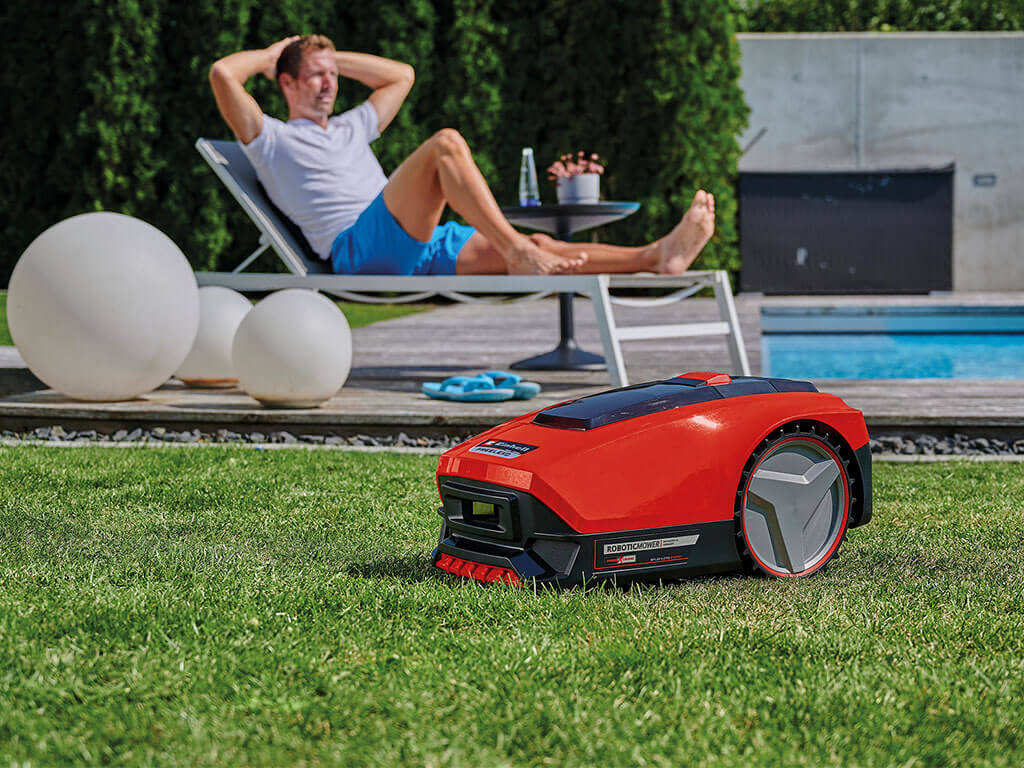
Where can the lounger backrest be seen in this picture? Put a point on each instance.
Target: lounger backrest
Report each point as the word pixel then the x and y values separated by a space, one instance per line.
pixel 236 172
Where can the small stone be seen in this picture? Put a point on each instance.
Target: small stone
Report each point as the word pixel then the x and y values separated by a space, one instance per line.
pixel 283 437
pixel 135 434
pixel 333 440
pixel 257 437
pixel 315 439
pixel 89 434
pixel 42 433
pixel 58 432
pixel 189 437
pixel 159 433
pixel 121 434
pixel 1018 446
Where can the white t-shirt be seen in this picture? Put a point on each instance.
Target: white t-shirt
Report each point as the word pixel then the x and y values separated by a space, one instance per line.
pixel 322 179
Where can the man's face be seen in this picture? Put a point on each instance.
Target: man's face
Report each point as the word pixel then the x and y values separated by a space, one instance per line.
pixel 312 94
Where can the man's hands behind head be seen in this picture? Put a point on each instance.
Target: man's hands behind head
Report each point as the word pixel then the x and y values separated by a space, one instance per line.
pixel 274 53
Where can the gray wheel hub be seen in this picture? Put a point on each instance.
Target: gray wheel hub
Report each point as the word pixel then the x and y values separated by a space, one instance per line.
pixel 795 506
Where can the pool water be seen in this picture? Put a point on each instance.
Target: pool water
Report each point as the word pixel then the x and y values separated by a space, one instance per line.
pixel 893 342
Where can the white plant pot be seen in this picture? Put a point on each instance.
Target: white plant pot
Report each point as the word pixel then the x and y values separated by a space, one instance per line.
pixel 584 188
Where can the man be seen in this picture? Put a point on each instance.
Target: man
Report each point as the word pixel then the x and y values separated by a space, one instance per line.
pixel 319 170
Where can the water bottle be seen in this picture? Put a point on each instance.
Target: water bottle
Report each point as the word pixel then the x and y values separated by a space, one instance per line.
pixel 529 191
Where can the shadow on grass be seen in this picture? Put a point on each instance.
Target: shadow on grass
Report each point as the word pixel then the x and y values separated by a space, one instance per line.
pixel 414 568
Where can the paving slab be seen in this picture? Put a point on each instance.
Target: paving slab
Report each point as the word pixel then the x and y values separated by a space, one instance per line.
pixel 392 358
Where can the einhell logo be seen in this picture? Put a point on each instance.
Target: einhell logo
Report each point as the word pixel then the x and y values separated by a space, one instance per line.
pixel 648 544
pixel 505 449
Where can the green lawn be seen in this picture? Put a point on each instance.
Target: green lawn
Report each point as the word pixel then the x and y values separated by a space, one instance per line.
pixel 5 331
pixel 357 314
pixel 227 606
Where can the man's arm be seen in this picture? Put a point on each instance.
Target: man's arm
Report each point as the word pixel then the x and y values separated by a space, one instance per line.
pixel 227 78
pixel 391 81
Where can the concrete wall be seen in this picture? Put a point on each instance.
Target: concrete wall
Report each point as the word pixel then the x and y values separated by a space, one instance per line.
pixel 843 101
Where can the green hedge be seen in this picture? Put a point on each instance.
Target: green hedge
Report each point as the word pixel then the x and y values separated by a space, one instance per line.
pixel 880 15
pixel 104 99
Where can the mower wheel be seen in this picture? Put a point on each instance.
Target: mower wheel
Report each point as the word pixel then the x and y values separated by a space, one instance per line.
pixel 793 501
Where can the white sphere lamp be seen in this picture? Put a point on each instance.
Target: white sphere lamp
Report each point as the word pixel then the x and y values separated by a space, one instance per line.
pixel 221 311
pixel 293 349
pixel 103 306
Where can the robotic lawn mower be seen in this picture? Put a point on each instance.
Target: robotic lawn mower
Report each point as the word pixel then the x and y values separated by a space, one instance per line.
pixel 697 474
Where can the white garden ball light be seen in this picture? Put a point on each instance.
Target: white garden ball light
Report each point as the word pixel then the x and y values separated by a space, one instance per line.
pixel 221 311
pixel 103 307
pixel 293 349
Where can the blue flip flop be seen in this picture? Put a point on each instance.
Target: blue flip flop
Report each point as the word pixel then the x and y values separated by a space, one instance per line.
pixel 524 390
pixel 468 389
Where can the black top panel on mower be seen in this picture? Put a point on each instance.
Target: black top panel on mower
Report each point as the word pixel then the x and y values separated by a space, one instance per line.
pixel 653 397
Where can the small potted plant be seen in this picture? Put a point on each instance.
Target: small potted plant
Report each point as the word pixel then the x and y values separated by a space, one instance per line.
pixel 577 178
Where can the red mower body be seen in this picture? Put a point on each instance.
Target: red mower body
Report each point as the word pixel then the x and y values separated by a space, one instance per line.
pixel 658 480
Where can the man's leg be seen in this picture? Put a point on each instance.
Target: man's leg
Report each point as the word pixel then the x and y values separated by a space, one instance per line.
pixel 442 171
pixel 479 257
pixel 671 254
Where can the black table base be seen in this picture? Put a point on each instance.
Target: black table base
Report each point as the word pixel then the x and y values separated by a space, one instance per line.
pixel 567 356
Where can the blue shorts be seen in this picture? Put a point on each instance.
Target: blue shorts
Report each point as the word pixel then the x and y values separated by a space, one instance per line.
pixel 377 245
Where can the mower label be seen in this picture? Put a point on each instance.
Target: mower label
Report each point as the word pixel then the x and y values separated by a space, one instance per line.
pixel 505 449
pixel 632 552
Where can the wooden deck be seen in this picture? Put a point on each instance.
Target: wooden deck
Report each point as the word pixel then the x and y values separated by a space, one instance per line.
pixel 392 358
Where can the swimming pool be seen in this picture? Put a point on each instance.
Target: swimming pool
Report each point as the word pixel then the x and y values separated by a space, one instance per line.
pixel 938 342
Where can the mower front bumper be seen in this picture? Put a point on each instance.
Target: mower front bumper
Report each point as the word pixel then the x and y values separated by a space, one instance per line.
pixel 494 533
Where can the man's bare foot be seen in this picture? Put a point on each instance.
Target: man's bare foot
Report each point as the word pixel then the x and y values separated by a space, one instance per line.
pixel 680 247
pixel 528 258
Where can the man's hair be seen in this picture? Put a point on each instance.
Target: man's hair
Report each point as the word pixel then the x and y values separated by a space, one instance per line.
pixel 291 57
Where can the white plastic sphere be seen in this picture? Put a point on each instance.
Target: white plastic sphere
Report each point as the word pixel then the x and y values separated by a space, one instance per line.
pixel 293 349
pixel 103 307
pixel 221 311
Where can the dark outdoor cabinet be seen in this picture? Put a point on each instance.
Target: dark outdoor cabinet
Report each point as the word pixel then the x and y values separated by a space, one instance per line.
pixel 879 231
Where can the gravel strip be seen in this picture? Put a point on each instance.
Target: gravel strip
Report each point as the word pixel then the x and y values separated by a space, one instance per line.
pixel 957 445
pixel 885 446
pixel 57 435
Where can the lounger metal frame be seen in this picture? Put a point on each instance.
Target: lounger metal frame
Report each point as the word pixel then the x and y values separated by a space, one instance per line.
pixel 307 271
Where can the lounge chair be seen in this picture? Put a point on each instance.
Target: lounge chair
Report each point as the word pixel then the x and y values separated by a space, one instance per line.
pixel 308 271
